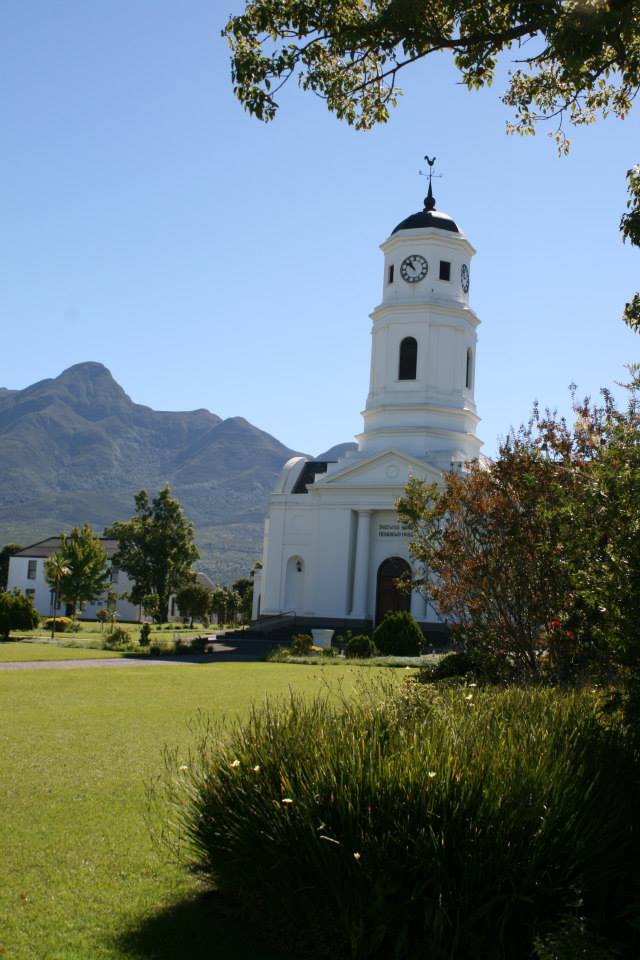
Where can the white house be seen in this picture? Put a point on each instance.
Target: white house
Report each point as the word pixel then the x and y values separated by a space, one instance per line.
pixel 26 573
pixel 333 546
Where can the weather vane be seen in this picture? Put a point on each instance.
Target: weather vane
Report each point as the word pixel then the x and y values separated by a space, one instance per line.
pixel 429 202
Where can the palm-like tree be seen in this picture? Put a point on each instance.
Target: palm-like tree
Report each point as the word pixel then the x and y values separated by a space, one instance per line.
pixel 55 570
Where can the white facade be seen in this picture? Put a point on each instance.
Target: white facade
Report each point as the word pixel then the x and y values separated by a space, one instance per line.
pixel 26 573
pixel 333 543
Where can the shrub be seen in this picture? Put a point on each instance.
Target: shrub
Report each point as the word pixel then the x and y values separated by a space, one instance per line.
pixel 301 643
pixel 451 665
pixel 59 624
pixel 145 634
pixel 199 644
pixel 360 646
pixel 571 940
pixel 17 612
pixel 465 821
pixel 399 635
pixel 330 652
pixel 118 638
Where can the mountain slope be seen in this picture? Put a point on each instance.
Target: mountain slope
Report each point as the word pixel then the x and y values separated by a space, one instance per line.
pixel 77 448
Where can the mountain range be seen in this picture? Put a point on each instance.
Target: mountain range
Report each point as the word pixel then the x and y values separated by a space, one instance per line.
pixel 76 448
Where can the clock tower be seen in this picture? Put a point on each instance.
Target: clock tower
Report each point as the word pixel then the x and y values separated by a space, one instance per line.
pixel 334 549
pixel 421 386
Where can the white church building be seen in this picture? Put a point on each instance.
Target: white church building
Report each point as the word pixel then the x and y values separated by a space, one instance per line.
pixel 333 545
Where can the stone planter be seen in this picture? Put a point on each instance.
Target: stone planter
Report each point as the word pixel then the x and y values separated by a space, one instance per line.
pixel 322 638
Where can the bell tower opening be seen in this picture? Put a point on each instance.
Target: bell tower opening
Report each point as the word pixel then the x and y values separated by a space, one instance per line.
pixel 408 359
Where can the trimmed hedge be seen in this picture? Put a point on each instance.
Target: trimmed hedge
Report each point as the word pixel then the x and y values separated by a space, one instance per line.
pixel 399 635
pixel 360 646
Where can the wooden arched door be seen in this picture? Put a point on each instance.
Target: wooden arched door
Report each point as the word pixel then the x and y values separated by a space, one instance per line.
pixel 388 595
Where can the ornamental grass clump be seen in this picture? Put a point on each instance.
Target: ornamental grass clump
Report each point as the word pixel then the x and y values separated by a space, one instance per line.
pixel 413 822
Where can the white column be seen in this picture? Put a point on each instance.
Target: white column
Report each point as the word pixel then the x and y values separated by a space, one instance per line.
pixel 418 606
pixel 418 602
pixel 361 574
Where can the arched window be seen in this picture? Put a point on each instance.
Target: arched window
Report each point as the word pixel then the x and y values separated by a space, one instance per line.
pixel 408 359
pixel 469 369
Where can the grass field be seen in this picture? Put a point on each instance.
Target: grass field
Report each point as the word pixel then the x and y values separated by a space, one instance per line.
pixel 81 878
pixel 13 651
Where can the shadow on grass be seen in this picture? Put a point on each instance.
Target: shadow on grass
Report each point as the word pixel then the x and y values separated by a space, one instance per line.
pixel 199 929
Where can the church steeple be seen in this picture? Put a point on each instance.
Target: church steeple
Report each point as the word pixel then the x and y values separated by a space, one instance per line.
pixel 421 392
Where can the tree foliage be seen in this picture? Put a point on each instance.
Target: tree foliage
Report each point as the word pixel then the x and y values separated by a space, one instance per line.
pixel 78 572
pixel 17 612
pixel 156 549
pixel 244 588
pixel 225 604
pixel 8 551
pixel 578 61
pixel 194 601
pixel 535 557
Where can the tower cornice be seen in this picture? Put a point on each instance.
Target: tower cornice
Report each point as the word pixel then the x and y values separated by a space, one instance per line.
pixel 408 238
pixel 453 309
pixel 466 412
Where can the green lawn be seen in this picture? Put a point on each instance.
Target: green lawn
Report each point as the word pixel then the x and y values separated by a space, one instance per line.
pixel 81 878
pixel 12 651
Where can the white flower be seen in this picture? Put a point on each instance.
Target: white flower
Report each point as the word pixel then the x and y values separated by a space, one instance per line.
pixel 469 696
pixel 256 769
pixel 287 800
pixel 183 767
pixel 235 763
pixel 356 856
pixel 431 774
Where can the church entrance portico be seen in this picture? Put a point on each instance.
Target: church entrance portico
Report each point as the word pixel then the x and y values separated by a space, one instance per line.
pixel 390 595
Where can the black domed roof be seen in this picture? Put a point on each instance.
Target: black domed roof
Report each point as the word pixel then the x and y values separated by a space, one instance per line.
pixel 429 217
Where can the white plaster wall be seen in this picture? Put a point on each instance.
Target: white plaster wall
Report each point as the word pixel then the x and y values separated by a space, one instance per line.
pixel 18 579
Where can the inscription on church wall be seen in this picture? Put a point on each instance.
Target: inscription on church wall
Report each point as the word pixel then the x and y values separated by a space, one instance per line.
pixel 394 531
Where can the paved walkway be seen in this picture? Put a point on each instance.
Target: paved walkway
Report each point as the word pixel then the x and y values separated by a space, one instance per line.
pixel 222 653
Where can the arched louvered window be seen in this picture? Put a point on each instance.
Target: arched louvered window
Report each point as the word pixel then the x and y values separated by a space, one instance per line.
pixel 469 369
pixel 408 359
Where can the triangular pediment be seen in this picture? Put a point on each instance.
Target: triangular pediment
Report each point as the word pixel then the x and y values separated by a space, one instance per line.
pixel 390 468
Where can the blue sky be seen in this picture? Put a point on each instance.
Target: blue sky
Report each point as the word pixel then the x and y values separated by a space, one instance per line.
pixel 213 261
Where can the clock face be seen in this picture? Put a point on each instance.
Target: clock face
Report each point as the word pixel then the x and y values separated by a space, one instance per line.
pixel 414 268
pixel 464 276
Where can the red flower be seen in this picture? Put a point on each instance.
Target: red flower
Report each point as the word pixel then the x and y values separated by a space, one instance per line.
pixel 570 634
pixel 555 624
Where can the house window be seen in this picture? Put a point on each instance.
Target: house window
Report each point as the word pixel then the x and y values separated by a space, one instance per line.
pixel 30 593
pixel 408 359
pixel 31 569
pixel 115 573
pixel 391 273
pixel 445 270
pixel 469 369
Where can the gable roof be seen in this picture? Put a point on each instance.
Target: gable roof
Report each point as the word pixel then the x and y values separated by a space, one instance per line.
pixel 355 468
pixel 46 548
